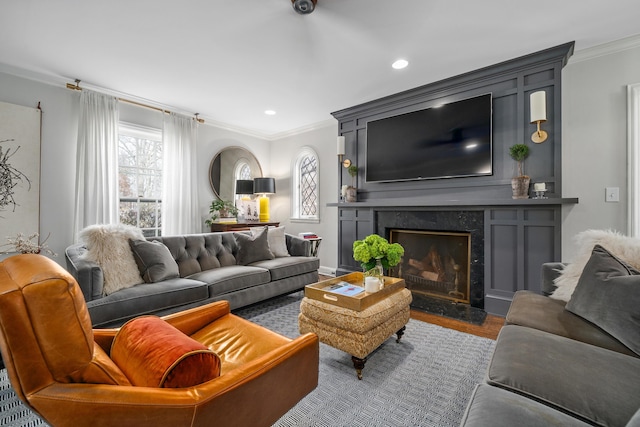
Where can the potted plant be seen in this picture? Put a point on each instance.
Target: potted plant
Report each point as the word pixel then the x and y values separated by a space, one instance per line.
pixel 351 192
pixel 520 183
pixel 221 209
pixel 376 253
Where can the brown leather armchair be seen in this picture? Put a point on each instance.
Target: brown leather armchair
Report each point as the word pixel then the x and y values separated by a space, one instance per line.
pixel 61 368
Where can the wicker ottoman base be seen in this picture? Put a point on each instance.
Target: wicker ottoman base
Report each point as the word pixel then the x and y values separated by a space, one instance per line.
pixel 357 333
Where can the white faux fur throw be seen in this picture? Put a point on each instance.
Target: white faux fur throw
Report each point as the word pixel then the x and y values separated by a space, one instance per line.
pixel 624 247
pixel 108 245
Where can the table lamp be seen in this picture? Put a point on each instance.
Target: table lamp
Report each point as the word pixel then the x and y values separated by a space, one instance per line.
pixel 263 187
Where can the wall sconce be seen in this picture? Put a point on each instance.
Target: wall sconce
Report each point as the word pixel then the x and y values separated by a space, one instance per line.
pixel 538 107
pixel 341 149
pixel 264 186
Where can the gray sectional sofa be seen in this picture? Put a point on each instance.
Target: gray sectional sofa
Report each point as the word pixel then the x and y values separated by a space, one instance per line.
pixel 206 268
pixel 553 367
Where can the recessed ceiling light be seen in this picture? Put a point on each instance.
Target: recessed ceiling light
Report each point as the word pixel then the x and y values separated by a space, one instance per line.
pixel 400 64
pixel 270 112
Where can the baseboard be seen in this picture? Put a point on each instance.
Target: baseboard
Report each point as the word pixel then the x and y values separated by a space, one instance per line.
pixel 327 271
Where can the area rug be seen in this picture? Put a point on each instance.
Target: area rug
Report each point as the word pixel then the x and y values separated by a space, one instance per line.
pixel 424 380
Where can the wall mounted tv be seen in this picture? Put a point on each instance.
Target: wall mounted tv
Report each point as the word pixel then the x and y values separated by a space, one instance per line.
pixel 448 141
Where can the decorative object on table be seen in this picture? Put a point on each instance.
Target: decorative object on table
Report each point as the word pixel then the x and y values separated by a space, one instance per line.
pixel 264 187
pixel 375 253
pixel 28 245
pixel 520 183
pixel 351 192
pixel 222 211
pixel 540 188
pixel 19 168
pixel 538 107
pixel 244 189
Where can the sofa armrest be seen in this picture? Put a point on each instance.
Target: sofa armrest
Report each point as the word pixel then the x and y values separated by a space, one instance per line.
pixel 297 246
pixel 87 273
pixel 550 272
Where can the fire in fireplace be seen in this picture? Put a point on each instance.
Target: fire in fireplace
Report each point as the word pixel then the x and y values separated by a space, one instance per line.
pixel 435 264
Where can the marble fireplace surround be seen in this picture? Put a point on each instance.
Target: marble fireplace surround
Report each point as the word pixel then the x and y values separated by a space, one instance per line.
pixel 470 221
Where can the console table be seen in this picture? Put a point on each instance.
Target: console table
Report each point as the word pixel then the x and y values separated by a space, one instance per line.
pixel 240 226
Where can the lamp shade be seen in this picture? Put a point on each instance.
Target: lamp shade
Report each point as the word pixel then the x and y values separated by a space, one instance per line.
pixel 264 185
pixel 538 106
pixel 244 186
pixel 341 147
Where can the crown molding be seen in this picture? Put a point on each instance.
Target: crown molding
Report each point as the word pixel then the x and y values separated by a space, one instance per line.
pixel 615 46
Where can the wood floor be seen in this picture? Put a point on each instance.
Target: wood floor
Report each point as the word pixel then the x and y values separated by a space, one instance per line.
pixel 489 329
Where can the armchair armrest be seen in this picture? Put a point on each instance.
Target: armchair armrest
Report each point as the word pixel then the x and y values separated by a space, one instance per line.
pixel 297 246
pixel 550 272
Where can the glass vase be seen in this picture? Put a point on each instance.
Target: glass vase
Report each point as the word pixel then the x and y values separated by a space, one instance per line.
pixel 377 271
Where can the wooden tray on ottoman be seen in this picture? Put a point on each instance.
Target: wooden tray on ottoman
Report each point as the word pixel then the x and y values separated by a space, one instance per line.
pixel 358 302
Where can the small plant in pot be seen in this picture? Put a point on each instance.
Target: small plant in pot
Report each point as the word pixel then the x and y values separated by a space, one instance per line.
pixel 520 183
pixel 221 209
pixel 351 193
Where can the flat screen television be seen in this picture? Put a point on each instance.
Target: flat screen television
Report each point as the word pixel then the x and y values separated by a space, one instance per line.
pixel 448 141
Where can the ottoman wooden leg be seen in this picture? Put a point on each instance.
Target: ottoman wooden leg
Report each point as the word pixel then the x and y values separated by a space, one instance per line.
pixel 359 365
pixel 400 333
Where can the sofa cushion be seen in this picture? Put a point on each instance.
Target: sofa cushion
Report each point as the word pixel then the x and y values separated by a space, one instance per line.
pixel 624 247
pixel 152 353
pixel 598 385
pixel 276 239
pixel 545 314
pixel 608 295
pixel 281 268
pixel 232 278
pixel 252 248
pixel 108 246
pixel 145 298
pixel 154 260
pixel 495 407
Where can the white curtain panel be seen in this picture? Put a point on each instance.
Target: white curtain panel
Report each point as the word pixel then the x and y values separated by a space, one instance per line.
pixel 97 161
pixel 179 188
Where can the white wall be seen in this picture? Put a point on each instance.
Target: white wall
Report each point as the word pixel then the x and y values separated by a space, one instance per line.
pixel 283 153
pixel 594 137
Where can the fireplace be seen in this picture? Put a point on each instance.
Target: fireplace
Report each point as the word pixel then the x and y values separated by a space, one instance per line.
pixel 464 229
pixel 435 263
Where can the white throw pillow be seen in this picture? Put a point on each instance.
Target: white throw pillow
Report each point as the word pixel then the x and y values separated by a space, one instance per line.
pixel 624 247
pixel 276 239
pixel 108 246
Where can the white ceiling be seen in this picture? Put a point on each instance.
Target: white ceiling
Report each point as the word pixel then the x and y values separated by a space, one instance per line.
pixel 231 60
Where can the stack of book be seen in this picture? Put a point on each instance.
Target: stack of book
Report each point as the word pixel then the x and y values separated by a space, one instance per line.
pixel 230 220
pixel 308 235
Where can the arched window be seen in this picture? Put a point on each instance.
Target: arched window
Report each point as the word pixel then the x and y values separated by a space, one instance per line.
pixel 306 191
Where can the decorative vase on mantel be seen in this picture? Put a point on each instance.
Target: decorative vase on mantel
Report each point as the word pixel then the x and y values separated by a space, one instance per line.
pixel 520 187
pixel 351 194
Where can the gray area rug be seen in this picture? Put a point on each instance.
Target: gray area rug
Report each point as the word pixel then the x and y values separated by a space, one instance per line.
pixel 425 380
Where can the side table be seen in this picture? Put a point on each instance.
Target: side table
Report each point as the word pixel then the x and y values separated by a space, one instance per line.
pixel 315 244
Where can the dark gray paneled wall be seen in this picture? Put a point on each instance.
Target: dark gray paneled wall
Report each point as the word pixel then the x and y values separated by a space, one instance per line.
pixel 518 236
pixel 510 84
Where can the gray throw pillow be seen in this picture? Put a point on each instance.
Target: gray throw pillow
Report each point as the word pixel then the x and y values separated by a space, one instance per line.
pixel 277 240
pixel 154 260
pixel 608 295
pixel 252 248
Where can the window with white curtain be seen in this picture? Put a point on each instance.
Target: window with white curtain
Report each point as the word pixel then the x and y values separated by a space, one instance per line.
pixel 140 177
pixel 306 191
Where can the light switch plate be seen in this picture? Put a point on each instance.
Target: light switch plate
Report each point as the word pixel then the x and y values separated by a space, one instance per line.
pixel 612 194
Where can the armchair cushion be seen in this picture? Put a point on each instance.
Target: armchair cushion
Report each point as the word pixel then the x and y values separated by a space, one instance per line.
pixel 252 248
pixel 154 260
pixel 608 295
pixel 152 353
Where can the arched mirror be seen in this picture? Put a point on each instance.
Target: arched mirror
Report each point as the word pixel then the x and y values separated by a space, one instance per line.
pixel 229 165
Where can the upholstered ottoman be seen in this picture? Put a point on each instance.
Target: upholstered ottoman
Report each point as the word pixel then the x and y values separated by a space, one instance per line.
pixel 357 333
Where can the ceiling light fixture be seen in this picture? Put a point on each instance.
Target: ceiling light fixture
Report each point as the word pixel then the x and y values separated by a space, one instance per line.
pixel 304 7
pixel 400 64
pixel 270 112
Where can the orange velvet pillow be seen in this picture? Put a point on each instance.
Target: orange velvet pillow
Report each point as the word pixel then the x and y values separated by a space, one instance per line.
pixel 152 353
